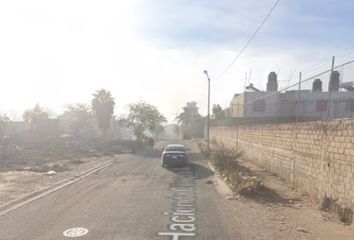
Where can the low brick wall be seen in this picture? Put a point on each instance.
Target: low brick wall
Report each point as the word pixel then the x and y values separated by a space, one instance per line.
pixel 318 157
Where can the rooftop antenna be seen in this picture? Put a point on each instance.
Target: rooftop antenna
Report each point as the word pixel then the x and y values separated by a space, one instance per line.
pixel 245 83
pixel 249 76
pixel 291 75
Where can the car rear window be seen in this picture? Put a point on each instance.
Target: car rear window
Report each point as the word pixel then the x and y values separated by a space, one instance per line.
pixel 175 148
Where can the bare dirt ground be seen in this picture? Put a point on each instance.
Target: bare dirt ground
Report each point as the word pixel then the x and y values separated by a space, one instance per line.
pixel 30 164
pixel 17 184
pixel 33 154
pixel 280 211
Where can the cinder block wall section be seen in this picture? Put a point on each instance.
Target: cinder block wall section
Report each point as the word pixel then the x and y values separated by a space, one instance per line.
pixel 318 157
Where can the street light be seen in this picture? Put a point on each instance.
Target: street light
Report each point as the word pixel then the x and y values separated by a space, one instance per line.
pixel 208 119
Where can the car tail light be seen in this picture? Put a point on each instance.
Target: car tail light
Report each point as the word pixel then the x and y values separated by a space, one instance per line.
pixel 181 155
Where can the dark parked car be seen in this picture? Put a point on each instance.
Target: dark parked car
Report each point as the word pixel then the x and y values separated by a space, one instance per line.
pixel 174 155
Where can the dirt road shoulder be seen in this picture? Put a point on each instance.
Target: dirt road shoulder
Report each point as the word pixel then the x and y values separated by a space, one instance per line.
pixel 17 187
pixel 289 213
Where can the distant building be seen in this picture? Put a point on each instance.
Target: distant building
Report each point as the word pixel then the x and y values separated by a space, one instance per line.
pixel 311 104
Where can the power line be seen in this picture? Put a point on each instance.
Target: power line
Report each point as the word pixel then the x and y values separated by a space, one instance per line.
pixel 326 61
pixel 249 40
pixel 323 64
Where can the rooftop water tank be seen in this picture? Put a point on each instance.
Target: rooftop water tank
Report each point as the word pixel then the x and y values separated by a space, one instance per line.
pixel 272 84
pixel 334 81
pixel 317 85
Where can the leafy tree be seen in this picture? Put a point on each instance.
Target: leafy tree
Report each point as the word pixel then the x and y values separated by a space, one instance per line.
pixel 3 122
pixel 218 112
pixel 36 118
pixel 190 120
pixel 79 119
pixel 216 108
pixel 35 114
pixel 103 107
pixel 145 119
pixel 4 118
pixel 158 131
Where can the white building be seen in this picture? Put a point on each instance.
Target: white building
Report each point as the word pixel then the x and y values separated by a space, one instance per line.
pixel 292 104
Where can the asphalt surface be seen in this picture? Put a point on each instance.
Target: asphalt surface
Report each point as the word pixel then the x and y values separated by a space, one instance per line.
pixel 133 199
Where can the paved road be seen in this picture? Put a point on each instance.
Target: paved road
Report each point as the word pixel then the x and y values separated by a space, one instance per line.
pixel 133 199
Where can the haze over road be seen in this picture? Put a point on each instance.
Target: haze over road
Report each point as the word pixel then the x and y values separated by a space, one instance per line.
pixel 133 199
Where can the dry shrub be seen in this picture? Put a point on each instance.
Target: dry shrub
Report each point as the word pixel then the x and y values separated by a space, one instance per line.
pixel 224 160
pixel 344 213
pixel 203 148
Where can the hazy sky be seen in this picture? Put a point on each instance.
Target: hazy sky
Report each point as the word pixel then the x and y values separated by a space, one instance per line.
pixel 58 52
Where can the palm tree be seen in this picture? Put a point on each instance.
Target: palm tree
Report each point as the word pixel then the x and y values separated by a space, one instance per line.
pixel 187 117
pixel 103 107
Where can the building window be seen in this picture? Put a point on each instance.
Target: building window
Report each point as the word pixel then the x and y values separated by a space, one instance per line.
pixel 321 105
pixel 259 106
pixel 349 105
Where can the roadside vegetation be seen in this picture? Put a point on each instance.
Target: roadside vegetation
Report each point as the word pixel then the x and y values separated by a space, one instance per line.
pixel 103 109
pixel 83 130
pixel 191 122
pixel 225 161
pixel 147 124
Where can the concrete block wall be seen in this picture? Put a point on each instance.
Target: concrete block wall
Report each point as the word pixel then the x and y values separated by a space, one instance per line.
pixel 318 157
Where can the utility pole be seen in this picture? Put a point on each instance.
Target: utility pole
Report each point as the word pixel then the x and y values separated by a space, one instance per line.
pixel 208 117
pixel 330 89
pixel 300 107
pixel 300 76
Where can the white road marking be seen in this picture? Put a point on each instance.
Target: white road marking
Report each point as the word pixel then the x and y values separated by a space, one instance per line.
pixel 183 216
pixel 75 232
